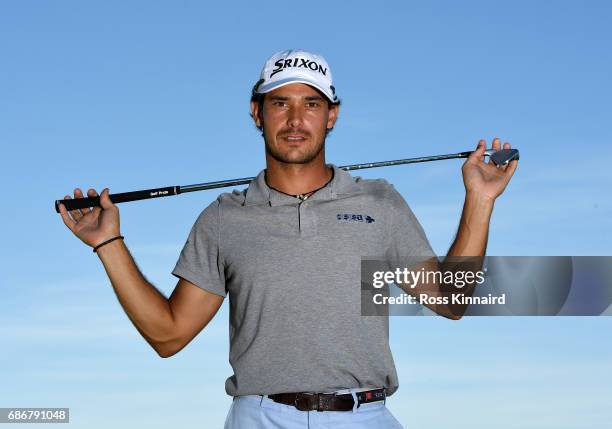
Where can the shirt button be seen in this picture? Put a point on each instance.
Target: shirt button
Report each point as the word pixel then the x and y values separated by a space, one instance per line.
pixel 305 204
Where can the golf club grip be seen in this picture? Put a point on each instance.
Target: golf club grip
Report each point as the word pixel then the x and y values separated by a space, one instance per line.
pixel 81 203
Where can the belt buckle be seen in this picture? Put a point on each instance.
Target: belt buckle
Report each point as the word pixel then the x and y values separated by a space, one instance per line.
pixel 321 406
pixel 297 403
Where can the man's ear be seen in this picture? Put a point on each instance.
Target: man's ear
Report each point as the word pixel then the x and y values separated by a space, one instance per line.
pixel 256 114
pixel 332 115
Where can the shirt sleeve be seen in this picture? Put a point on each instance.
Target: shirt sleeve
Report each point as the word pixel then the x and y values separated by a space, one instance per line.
pixel 200 261
pixel 407 242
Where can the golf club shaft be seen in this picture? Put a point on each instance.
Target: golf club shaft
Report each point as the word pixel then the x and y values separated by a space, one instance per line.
pixel 81 203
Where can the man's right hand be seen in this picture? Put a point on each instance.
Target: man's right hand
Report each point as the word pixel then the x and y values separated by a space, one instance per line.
pixel 167 325
pixel 92 226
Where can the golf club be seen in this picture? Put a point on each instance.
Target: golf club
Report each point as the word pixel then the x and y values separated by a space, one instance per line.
pixel 500 158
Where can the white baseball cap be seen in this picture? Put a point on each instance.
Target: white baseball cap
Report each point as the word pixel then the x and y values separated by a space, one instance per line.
pixel 296 66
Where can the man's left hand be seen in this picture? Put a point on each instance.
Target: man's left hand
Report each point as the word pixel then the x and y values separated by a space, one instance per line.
pixel 487 179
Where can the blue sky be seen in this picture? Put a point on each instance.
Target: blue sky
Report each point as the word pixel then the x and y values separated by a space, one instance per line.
pixel 133 95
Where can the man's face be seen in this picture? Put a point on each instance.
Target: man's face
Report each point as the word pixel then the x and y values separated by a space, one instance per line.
pixel 295 119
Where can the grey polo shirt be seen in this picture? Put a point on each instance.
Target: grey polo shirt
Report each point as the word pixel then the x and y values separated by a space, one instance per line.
pixel 292 272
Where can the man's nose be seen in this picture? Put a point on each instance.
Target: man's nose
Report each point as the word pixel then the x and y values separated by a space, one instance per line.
pixel 295 116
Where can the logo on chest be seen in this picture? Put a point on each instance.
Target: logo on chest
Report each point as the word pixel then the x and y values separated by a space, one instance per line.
pixel 351 217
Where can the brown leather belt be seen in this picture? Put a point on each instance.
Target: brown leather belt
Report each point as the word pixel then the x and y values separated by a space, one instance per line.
pixel 304 401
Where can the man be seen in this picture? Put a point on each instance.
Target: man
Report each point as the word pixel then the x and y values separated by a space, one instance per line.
pixel 287 250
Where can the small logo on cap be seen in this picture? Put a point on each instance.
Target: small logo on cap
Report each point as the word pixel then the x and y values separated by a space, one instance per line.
pixel 298 62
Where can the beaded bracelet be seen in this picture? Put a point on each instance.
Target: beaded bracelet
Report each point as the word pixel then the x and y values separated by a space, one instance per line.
pixel 107 241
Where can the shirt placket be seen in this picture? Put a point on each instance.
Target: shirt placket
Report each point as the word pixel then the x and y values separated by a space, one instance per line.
pixel 307 218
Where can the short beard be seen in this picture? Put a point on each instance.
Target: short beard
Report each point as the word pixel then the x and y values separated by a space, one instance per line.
pixel 304 159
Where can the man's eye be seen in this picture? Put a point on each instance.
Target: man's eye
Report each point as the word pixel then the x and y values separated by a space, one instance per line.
pixel 312 104
pixel 279 103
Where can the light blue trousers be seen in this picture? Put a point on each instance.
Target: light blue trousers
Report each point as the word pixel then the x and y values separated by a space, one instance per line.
pixel 259 412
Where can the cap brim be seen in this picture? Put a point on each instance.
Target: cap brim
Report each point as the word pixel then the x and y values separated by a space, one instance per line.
pixel 279 83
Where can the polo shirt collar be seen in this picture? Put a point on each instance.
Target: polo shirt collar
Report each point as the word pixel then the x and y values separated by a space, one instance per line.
pixel 259 192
